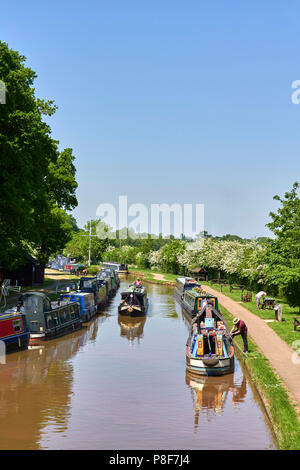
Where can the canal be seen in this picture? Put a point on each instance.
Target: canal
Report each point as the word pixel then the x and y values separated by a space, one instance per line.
pixel 121 384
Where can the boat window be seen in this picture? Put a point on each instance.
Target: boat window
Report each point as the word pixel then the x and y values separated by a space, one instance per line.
pixel 17 324
pixel 47 304
pixel 49 321
pixel 56 318
pixel 87 284
pixel 63 315
pixel 200 303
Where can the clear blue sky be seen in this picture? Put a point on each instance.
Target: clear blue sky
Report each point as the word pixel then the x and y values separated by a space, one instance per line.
pixel 170 101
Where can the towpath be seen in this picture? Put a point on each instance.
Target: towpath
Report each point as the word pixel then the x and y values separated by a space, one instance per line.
pixel 271 345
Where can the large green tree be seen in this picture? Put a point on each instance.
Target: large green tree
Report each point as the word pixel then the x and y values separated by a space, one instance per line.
pixel 37 182
pixel 54 227
pixel 283 253
pixel 26 150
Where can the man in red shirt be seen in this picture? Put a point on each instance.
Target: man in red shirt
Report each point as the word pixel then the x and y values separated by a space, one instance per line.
pixel 240 328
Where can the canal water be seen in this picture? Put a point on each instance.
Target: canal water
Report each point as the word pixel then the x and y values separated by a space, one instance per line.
pixel 122 384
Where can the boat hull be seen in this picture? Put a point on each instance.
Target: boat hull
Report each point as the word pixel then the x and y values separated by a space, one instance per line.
pixel 17 342
pixel 132 311
pixel 188 310
pixel 210 366
pixel 37 338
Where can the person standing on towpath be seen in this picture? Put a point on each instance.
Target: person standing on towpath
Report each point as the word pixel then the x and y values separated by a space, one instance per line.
pixel 240 328
pixel 258 297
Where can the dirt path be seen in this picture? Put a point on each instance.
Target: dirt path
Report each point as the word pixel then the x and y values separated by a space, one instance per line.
pixel 159 277
pixel 271 345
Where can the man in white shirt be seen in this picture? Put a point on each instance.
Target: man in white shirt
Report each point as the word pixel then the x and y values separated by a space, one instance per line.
pixel 258 297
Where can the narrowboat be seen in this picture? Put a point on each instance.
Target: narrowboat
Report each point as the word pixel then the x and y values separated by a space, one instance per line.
pixel 91 284
pixel 86 300
pixel 103 286
pixel 105 276
pixel 209 348
pixel 118 267
pixel 14 332
pixel 114 277
pixel 195 299
pixel 184 283
pixel 134 302
pixel 46 319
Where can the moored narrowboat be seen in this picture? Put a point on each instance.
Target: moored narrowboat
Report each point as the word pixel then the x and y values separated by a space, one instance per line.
pixel 14 332
pixel 182 284
pixel 46 319
pixel 114 277
pixel 105 276
pixel 86 300
pixel 118 267
pixel 134 302
pixel 209 348
pixel 195 299
pixel 91 284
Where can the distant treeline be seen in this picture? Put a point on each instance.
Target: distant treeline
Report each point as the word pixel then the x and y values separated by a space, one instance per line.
pixel 262 263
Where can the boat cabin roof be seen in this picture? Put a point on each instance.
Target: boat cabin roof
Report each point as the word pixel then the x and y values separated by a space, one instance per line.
pixel 196 293
pixel 77 294
pixel 136 290
pixel 186 280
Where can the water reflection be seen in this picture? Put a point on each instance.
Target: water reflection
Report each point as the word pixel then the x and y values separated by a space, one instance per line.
pixel 132 328
pixel 36 389
pixel 211 393
pixel 92 390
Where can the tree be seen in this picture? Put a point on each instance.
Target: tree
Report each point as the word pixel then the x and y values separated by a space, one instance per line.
pixel 78 246
pixel 26 149
pixel 170 254
pixel 37 182
pixel 283 253
pixel 53 225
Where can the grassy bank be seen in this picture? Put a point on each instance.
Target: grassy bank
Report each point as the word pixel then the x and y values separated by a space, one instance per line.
pixel 281 412
pixel 284 329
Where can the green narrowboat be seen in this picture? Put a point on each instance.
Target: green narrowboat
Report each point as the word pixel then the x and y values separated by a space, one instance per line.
pixel 194 300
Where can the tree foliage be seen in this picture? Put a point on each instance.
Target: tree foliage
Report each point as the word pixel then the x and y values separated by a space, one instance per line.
pixel 37 182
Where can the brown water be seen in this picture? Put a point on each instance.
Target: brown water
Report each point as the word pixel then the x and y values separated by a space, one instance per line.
pixel 122 384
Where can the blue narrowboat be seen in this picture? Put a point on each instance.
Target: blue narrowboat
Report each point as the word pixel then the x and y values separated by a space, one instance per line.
pixel 86 300
pixel 14 332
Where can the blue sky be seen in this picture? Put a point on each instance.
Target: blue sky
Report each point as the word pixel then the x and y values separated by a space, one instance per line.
pixel 170 101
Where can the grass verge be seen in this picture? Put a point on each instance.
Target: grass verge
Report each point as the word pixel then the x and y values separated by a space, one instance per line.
pixel 280 410
pixel 284 329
